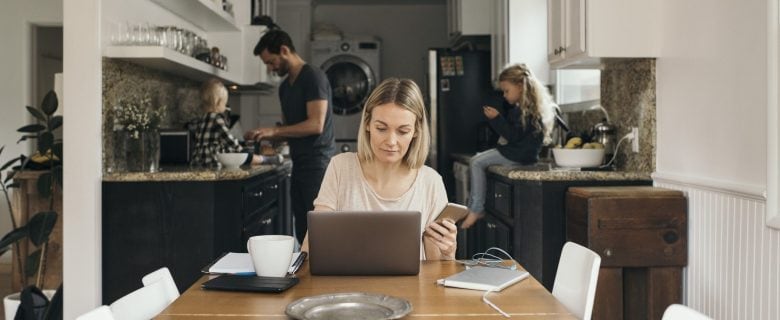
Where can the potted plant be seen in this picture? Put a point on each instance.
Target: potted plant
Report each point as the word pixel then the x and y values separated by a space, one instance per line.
pixel 48 158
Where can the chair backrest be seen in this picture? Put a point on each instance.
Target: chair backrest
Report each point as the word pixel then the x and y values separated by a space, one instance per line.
pixel 575 282
pixel 681 312
pixel 164 275
pixel 99 313
pixel 141 304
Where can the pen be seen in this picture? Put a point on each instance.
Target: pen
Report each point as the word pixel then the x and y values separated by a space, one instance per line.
pixel 298 262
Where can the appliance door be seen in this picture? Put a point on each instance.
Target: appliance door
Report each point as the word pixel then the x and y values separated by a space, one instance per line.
pixel 459 85
pixel 351 80
pixel 175 146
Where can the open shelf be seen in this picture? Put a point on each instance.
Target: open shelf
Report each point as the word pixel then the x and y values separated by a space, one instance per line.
pixel 164 59
pixel 202 13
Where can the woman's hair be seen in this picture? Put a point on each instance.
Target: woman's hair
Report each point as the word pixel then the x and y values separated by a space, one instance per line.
pixel 536 102
pixel 212 93
pixel 405 94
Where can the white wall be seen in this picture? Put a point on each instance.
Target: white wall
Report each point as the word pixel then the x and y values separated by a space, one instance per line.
pixel 711 124
pixel 407 31
pixel 16 20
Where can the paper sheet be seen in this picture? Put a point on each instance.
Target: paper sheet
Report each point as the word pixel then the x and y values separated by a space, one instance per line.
pixel 234 262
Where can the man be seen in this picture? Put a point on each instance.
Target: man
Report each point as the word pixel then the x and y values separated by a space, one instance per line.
pixel 307 114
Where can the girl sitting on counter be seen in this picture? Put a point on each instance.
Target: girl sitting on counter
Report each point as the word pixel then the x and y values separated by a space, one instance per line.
pixel 523 130
pixel 213 135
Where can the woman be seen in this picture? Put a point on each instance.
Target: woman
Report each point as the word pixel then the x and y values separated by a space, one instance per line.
pixel 388 171
pixel 524 129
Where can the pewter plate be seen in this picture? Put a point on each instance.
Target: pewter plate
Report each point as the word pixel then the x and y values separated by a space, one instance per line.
pixel 353 305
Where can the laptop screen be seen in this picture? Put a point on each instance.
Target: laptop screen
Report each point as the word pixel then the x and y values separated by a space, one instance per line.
pixel 364 242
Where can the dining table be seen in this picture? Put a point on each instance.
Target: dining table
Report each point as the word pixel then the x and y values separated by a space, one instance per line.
pixel 527 299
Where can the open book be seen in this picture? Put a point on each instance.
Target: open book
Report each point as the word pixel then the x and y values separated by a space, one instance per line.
pixel 485 278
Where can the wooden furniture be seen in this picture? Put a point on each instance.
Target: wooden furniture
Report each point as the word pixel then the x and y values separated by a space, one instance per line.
pixel 183 225
pixel 27 202
pixel 526 217
pixel 525 300
pixel 641 235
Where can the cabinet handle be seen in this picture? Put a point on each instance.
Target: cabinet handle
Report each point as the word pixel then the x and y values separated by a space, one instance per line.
pixel 257 194
pixel 557 51
pixel 497 195
pixel 563 49
pixel 276 186
pixel 266 221
pixel 608 252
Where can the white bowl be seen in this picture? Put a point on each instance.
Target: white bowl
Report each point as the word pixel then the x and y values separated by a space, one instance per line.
pixel 231 160
pixel 578 158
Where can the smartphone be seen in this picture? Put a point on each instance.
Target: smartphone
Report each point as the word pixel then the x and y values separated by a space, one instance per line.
pixel 454 212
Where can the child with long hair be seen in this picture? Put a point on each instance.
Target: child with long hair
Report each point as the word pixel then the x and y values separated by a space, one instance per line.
pixel 523 129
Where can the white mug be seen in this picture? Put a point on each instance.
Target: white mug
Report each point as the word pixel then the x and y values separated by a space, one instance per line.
pixel 271 254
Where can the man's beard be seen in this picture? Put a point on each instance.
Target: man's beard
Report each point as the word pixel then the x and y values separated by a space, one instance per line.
pixel 284 69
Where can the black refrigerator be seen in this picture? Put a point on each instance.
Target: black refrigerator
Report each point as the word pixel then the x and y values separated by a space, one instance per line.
pixel 458 85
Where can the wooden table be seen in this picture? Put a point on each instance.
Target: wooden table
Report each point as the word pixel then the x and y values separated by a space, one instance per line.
pixel 527 299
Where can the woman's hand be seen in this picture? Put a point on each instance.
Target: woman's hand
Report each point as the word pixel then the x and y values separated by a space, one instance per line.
pixel 470 220
pixel 490 112
pixel 443 234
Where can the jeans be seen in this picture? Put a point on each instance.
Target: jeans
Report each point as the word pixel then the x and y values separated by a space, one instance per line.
pixel 478 180
pixel 304 188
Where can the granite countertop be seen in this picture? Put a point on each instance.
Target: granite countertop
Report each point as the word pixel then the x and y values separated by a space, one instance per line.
pixel 547 171
pixel 187 173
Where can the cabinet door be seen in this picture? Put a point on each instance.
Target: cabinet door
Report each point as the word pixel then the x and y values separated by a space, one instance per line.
pixel 499 198
pixel 555 29
pixel 574 26
pixel 497 234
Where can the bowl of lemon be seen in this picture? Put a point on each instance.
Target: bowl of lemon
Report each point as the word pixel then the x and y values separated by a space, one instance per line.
pixel 576 154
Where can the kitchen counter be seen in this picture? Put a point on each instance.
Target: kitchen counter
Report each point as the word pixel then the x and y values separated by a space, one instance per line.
pixel 187 173
pixel 547 171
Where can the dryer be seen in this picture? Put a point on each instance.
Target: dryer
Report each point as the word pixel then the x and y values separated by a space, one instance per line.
pixel 352 67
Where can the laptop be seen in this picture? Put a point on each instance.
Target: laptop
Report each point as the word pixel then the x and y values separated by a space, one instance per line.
pixel 364 243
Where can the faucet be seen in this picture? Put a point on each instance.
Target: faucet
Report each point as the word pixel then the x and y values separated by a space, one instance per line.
pixel 599 107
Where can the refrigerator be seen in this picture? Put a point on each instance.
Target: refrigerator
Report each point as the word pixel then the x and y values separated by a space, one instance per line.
pixel 458 85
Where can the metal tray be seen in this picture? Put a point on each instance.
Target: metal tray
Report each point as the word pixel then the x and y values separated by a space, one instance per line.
pixel 352 305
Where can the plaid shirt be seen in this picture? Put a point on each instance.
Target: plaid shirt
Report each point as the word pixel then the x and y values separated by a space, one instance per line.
pixel 213 137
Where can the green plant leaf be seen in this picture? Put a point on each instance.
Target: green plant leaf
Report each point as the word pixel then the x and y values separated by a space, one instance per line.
pixel 44 184
pixel 1 149
pixel 58 175
pixel 41 225
pixel 56 148
pixel 37 114
pixel 49 104
pixel 55 122
pixel 13 236
pixel 10 163
pixel 32 128
pixel 45 142
pixel 31 265
pixel 12 185
pixel 23 138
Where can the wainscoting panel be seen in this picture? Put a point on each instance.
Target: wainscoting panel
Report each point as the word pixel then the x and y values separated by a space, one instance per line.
pixel 734 258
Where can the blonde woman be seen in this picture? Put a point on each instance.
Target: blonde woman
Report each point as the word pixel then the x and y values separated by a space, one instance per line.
pixel 524 128
pixel 388 171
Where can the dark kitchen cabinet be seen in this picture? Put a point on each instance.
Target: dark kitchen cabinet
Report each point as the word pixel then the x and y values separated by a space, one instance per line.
pixel 527 219
pixel 184 225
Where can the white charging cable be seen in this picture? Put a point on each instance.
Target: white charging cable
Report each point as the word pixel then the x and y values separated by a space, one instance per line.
pixel 495 307
pixel 617 147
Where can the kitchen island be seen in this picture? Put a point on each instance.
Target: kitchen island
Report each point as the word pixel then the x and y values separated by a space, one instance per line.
pixel 184 217
pixel 525 212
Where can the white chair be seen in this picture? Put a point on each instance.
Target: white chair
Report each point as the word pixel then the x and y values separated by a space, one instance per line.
pixel 100 313
pixel 141 304
pixel 681 312
pixel 163 274
pixel 575 282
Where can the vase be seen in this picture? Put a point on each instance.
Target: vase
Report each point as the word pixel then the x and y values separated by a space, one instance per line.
pixel 11 302
pixel 142 152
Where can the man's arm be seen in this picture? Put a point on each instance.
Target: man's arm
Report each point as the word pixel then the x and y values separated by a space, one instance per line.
pixel 316 111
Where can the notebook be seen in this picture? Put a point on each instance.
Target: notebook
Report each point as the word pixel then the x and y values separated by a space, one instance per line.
pixel 485 278
pixel 249 283
pixel 241 263
pixel 364 243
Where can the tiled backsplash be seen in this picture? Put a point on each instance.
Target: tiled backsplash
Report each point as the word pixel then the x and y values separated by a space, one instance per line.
pixel 628 95
pixel 122 80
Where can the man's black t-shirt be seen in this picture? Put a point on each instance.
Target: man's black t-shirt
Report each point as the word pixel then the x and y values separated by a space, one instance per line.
pixel 311 84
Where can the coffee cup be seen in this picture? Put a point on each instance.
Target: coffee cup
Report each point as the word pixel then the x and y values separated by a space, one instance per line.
pixel 271 254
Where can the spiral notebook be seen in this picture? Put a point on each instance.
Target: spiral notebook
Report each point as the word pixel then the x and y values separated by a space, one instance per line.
pixel 485 278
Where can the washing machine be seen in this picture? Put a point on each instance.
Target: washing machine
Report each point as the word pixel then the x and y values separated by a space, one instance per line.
pixel 352 67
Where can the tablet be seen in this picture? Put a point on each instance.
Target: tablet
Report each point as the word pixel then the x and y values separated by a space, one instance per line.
pixel 249 283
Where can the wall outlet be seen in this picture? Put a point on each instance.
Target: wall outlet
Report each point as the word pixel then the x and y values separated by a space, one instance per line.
pixel 635 140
